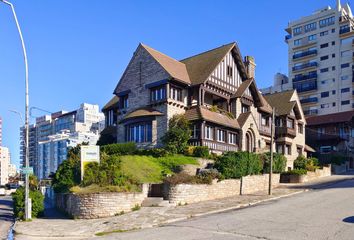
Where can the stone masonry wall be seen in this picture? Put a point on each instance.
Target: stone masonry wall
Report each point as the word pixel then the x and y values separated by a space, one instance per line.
pixel 97 205
pixel 257 183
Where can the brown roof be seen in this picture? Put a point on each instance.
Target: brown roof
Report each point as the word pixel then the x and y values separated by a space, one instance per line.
pixel 202 65
pixel 143 112
pixel 331 118
pixel 242 118
pixel 281 102
pixel 243 87
pixel 198 113
pixel 309 149
pixel 113 102
pixel 175 68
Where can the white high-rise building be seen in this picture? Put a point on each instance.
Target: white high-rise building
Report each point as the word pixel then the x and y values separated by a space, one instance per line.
pixel 321 60
pixel 4 165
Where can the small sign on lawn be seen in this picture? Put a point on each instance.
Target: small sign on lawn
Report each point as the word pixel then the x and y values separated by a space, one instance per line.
pixel 89 154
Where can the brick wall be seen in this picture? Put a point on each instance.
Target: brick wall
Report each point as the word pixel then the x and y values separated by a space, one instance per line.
pixel 97 205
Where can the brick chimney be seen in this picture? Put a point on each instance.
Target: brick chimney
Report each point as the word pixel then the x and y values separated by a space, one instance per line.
pixel 250 66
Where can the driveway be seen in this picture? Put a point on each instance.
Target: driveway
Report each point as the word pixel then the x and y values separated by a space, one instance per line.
pixel 6 216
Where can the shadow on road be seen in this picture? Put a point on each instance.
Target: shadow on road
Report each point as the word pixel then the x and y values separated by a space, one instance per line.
pixel 349 219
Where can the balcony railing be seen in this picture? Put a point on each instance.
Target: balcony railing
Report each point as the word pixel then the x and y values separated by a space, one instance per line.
pixel 285 131
pixel 265 130
pixel 214 145
pixel 311 112
pixel 309 100
pixel 344 30
pixel 304 66
pixel 304 54
pixel 288 37
pixel 305 86
pixel 305 77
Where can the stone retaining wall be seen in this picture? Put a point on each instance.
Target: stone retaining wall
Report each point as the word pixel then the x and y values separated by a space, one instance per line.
pixel 97 205
pixel 310 176
pixel 192 193
pixel 337 169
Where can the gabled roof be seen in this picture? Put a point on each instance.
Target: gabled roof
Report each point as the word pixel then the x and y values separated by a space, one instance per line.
pixel 242 118
pixel 243 87
pixel 113 102
pixel 281 102
pixel 202 113
pixel 143 112
pixel 176 69
pixel 331 118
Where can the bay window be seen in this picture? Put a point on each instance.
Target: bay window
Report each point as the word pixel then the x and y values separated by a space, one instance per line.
pixel 232 137
pixel 209 133
pixel 139 132
pixel 158 94
pixel 221 135
pixel 176 93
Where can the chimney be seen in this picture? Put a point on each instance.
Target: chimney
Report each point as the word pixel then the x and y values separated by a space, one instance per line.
pixel 250 65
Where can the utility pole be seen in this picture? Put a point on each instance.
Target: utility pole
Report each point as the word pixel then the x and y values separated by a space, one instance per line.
pixel 28 210
pixel 271 152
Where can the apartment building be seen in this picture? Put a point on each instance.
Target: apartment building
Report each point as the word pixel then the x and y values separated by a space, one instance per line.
pixel 320 53
pixel 215 90
pixel 60 127
pixel 0 131
pixel 4 165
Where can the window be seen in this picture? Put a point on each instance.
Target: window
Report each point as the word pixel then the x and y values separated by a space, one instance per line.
pixel 333 68
pixel 333 55
pixel 312 37
pixel 139 132
pixel 323 70
pixel 245 108
pixel 346 102
pixel 324 58
pixel 345 90
pixel 346 53
pixel 324 94
pixel 209 133
pixel 290 123
pixel 327 22
pixel 221 135
pixel 229 71
pixel 297 42
pixel 310 27
pixel 279 148
pixel 297 31
pixel 345 77
pixel 323 33
pixel 324 82
pixel 288 149
pixel 124 103
pixel 346 40
pixel 333 43
pixel 265 121
pixel 324 45
pixel 158 94
pixel 333 104
pixel 345 65
pixel 333 30
pixel 176 94
pixel 325 105
pixel 333 92
pixel 232 138
pixel 195 132
pixel 300 128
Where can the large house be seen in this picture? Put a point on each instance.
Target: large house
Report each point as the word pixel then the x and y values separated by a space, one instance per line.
pixel 216 91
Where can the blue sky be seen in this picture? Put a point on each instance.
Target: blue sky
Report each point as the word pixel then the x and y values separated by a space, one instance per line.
pixel 77 50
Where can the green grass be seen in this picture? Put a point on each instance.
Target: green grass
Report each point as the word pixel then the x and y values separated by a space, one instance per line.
pixel 97 189
pixel 148 169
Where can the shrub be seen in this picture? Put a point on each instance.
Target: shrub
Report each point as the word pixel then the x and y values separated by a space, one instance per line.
pixel 300 162
pixel 18 198
pixel 279 162
pixel 119 148
pixel 201 151
pixel 177 137
pixel 155 152
pixel 238 164
pixel 309 164
pixel 296 172
pixel 337 159
pixel 183 178
pixel 189 150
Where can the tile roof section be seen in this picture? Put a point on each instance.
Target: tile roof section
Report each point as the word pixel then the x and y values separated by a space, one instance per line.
pixel 242 118
pixel 175 68
pixel 330 118
pixel 243 87
pixel 201 66
pixel 309 149
pixel 113 102
pixel 198 113
pixel 281 102
pixel 143 112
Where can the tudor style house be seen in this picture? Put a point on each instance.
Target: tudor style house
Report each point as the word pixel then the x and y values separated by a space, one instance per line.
pixel 216 91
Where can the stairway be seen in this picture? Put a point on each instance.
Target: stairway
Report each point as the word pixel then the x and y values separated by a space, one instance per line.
pixel 155 202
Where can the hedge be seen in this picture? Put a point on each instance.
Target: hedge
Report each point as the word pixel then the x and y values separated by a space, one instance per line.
pixel 279 162
pixel 18 198
pixel 119 148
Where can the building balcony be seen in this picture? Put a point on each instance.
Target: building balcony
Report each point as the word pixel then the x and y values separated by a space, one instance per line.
pixel 265 130
pixel 309 100
pixel 214 145
pixel 311 112
pixel 305 66
pixel 305 77
pixel 305 86
pixel 345 30
pixel 285 131
pixel 304 54
pixel 288 37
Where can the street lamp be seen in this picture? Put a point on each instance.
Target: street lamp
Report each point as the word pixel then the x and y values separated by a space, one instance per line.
pixel 27 207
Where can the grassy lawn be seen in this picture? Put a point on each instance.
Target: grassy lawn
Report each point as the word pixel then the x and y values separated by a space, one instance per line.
pixel 148 169
pixel 97 189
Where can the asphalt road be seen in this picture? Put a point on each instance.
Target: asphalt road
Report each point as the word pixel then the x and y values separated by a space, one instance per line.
pixel 326 213
pixel 6 216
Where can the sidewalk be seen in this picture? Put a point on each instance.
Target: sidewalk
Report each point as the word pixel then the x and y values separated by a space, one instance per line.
pixel 52 228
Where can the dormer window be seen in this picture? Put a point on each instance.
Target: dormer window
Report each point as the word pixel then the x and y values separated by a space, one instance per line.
pixel 229 71
pixel 176 94
pixel 123 102
pixel 158 94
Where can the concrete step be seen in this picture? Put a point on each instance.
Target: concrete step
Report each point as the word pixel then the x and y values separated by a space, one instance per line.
pixel 155 202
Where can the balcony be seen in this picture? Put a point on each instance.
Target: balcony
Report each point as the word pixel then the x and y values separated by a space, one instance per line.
pixel 288 37
pixel 309 100
pixel 305 77
pixel 305 66
pixel 304 54
pixel 214 145
pixel 344 30
pixel 285 131
pixel 265 130
pixel 311 112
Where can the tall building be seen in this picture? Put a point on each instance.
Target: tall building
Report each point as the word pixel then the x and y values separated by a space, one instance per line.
pixel 320 48
pixel 57 132
pixel 0 131
pixel 4 165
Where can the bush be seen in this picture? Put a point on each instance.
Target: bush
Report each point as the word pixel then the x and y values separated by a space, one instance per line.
pixel 238 164
pixel 155 152
pixel 177 137
pixel 183 178
pixel 309 164
pixel 296 172
pixel 337 159
pixel 201 151
pixel 300 162
pixel 189 150
pixel 279 162
pixel 18 198
pixel 119 148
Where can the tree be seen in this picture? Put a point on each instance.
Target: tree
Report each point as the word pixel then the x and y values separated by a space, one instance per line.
pixel 178 134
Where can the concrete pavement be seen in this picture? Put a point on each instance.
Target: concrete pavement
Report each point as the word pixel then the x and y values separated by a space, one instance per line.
pixel 6 216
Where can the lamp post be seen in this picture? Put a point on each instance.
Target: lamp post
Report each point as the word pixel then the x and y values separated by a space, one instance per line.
pixel 27 208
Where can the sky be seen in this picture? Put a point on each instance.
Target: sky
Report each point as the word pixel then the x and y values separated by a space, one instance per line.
pixel 78 50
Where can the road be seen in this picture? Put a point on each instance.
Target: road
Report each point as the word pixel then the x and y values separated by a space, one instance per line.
pixel 6 216
pixel 326 213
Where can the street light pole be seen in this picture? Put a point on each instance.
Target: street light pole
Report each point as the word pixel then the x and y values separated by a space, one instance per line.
pixel 271 152
pixel 27 209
